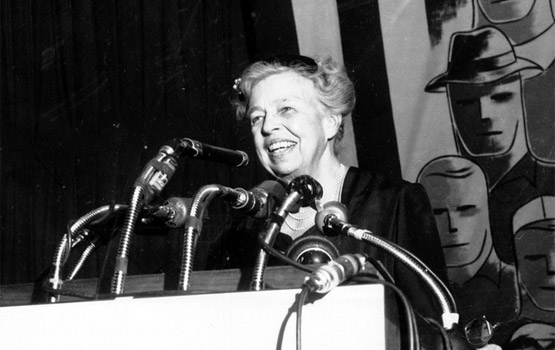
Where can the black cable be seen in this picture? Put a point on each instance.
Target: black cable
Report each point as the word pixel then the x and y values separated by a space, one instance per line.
pixel 381 269
pixel 445 337
pixel 411 318
pixel 300 304
pixel 277 254
pixel 414 342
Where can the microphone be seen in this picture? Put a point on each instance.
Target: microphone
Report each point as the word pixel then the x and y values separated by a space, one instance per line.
pixel 303 190
pixel 337 271
pixel 195 149
pixel 173 212
pixel 333 209
pixel 259 201
pixel 449 315
pixel 159 170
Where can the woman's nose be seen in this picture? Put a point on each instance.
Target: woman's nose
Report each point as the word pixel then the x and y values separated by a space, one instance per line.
pixel 270 123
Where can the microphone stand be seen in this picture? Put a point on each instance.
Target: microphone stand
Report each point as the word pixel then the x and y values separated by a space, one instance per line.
pixel 193 225
pixel 272 227
pixel 75 236
pixel 151 181
pixel 303 191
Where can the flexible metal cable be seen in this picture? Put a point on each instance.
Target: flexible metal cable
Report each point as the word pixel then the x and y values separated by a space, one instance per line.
pixel 442 293
pixel 62 251
pixel 193 227
pixel 122 259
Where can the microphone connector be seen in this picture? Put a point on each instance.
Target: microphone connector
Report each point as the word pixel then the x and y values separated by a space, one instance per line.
pixel 337 271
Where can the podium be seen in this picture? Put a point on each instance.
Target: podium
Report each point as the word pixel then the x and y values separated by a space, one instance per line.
pixel 348 317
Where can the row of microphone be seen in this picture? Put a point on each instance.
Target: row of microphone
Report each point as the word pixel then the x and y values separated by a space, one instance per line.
pixel 303 191
pixel 331 218
pixel 255 202
pixel 269 200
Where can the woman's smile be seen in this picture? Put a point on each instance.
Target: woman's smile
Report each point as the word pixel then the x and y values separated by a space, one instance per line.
pixel 280 147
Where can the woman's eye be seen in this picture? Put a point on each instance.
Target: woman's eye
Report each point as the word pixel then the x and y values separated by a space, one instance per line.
pixel 286 109
pixel 256 119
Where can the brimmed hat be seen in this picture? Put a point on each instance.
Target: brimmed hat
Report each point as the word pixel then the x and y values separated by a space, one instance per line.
pixel 483 55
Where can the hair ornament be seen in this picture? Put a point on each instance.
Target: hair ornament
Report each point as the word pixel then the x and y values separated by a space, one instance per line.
pixel 236 84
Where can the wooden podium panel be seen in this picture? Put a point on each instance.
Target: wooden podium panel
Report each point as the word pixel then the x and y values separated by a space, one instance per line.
pixel 349 317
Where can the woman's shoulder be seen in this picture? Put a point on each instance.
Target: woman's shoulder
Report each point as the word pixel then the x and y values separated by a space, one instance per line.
pixel 367 180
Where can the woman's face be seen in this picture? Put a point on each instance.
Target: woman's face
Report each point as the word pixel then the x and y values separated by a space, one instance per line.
pixel 289 126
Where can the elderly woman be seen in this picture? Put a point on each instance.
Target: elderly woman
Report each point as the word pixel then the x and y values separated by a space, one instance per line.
pixel 296 115
pixel 295 106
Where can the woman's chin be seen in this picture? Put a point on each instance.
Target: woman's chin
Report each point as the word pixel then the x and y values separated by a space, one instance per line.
pixel 285 176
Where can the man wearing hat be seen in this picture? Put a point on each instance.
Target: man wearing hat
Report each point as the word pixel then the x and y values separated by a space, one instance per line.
pixel 530 26
pixel 483 82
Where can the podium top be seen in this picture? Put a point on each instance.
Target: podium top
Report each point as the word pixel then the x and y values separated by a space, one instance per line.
pixel 348 317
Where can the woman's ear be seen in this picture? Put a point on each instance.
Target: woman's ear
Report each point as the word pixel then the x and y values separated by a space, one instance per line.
pixel 332 123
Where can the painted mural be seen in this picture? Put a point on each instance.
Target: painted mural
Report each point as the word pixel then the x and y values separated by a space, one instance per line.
pixel 486 83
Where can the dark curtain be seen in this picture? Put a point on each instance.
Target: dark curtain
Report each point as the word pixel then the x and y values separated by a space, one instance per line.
pixel 90 91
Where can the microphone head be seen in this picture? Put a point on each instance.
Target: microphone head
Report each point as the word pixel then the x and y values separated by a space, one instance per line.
pixel 309 189
pixel 178 209
pixel 337 209
pixel 312 249
pixel 271 193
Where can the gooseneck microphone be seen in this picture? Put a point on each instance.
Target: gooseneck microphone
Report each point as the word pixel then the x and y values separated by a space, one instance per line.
pixel 195 149
pixel 151 182
pixel 77 233
pixel 450 316
pixel 256 202
pixel 158 171
pixel 329 276
pixel 303 191
pixel 331 209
